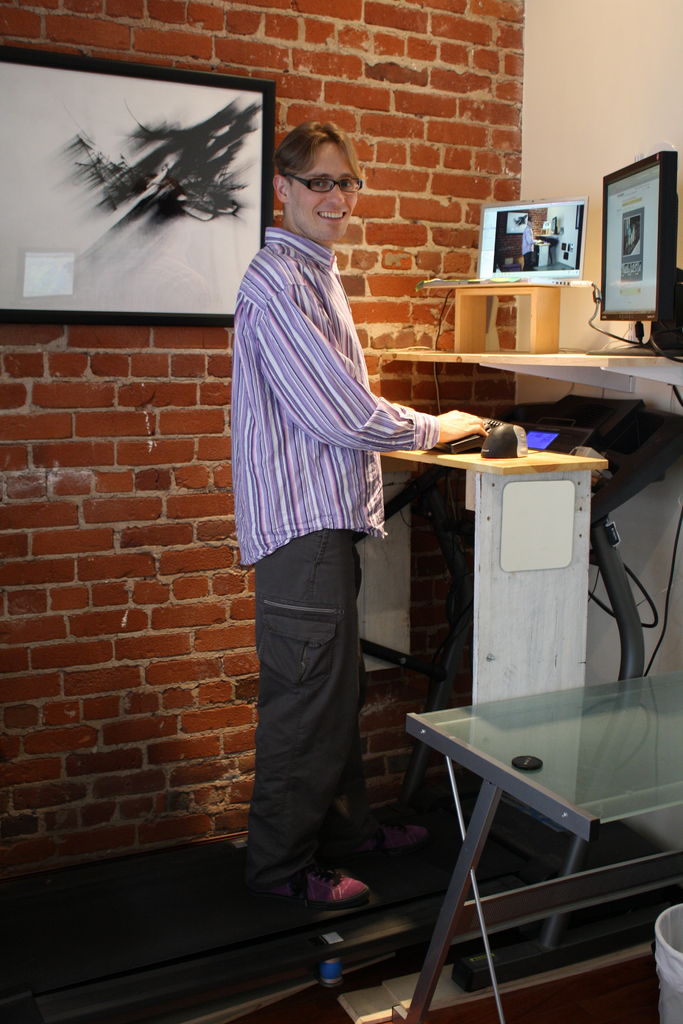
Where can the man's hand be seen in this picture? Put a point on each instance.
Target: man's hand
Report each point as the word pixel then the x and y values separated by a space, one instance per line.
pixel 455 424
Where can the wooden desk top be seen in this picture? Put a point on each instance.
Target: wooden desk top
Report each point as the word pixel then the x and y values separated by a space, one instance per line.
pixel 535 462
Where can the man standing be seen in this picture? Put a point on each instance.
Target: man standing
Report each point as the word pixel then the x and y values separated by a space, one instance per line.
pixel 528 245
pixel 306 430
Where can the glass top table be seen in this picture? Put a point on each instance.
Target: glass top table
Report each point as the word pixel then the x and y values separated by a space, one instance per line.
pixel 588 755
pixel 608 751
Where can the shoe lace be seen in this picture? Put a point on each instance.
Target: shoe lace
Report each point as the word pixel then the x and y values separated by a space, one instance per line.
pixel 324 874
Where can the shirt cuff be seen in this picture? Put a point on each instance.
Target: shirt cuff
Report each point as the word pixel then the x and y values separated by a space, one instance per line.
pixel 427 431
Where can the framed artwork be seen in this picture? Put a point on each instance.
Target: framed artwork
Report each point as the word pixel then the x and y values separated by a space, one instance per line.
pixel 131 194
pixel 516 222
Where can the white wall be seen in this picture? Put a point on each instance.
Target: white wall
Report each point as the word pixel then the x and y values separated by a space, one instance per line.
pixel 603 84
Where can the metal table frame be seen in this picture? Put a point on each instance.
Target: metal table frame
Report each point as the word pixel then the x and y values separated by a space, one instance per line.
pixel 531 903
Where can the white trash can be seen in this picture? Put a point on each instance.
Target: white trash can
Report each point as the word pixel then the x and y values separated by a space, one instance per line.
pixel 669 962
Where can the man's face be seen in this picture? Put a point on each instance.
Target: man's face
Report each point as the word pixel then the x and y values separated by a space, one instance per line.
pixel 321 216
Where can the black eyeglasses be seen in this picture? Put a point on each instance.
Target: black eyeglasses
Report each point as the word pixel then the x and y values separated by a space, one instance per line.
pixel 346 184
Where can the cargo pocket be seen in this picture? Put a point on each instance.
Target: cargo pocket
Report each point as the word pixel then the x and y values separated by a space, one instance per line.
pixel 295 642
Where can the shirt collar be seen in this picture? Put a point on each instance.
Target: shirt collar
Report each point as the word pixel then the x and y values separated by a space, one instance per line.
pixel 304 246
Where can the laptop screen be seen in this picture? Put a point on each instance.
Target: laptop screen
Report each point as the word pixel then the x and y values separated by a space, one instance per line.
pixel 533 240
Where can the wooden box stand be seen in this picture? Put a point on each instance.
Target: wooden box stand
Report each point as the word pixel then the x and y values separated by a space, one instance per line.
pixel 471 315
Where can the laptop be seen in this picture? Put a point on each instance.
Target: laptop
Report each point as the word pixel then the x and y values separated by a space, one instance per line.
pixel 539 241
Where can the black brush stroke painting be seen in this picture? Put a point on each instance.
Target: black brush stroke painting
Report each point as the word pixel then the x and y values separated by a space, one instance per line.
pixel 145 193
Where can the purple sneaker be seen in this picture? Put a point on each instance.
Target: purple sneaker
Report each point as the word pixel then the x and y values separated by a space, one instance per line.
pixel 395 840
pixel 321 889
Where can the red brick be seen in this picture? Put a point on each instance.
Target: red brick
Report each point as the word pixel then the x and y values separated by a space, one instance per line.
pixel 149 364
pixel 161 535
pixel 48 794
pixel 23 486
pixel 107 623
pixel 101 680
pixel 12 396
pixel 96 840
pixel 105 567
pixel 363 96
pixel 61 712
pixel 133 730
pixel 30 516
pixel 23 364
pixel 67 364
pixel 59 542
pixel 114 510
pixel 51 741
pixel 35 630
pixel 452 27
pixel 65 598
pixel 114 483
pixel 65 482
pixel 239 740
pixel 200 614
pixel 102 762
pixel 192 477
pixel 71 654
pixel 391 15
pixel 247 53
pixel 175 828
pixel 150 592
pixel 125 8
pixel 154 453
pixel 192 421
pixel 212 448
pixel 205 15
pixel 196 506
pixel 114 424
pixel 74 453
pixel 182 670
pixel 147 781
pixel 28 852
pixel 61 395
pixel 216 719
pixel 35 427
pixel 162 646
pixel 168 751
pixel 19 24
pixel 98 708
pixel 21 716
pixel 194 559
pixel 206 338
pixel 13 457
pixel 35 769
pixel 190 588
pixel 87 32
pixel 189 364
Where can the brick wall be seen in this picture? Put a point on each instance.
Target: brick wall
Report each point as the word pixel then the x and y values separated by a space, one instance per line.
pixel 127 666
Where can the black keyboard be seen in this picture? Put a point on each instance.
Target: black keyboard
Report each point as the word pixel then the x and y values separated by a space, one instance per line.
pixel 469 443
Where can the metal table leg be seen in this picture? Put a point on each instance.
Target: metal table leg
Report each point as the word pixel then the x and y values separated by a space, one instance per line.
pixel 454 901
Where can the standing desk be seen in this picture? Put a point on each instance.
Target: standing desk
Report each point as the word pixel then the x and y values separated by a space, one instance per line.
pixel 532 540
pixel 609 752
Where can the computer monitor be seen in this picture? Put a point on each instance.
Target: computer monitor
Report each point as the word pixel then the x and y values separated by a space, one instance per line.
pixel 534 240
pixel 639 228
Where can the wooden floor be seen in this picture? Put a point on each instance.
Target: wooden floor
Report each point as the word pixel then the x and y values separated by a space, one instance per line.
pixel 623 993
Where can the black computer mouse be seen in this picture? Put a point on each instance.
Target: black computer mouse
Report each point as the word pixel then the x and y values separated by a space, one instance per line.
pixel 508 441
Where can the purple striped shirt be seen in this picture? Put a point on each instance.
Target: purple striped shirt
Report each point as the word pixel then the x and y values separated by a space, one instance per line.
pixel 306 429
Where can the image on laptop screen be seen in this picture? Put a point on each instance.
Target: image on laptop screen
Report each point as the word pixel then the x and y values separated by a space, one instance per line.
pixel 543 239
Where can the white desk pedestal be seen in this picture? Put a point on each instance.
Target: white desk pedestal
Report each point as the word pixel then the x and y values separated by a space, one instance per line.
pixel 531 583
pixel 531 569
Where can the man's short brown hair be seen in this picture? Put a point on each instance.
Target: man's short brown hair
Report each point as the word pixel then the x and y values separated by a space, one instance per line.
pixel 298 150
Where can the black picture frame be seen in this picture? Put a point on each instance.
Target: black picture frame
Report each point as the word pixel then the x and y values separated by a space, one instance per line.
pixel 132 194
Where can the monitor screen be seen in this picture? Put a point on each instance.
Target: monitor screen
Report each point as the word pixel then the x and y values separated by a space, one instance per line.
pixel 534 239
pixel 639 227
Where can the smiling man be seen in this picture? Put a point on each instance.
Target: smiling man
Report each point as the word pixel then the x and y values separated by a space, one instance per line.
pixel 306 432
